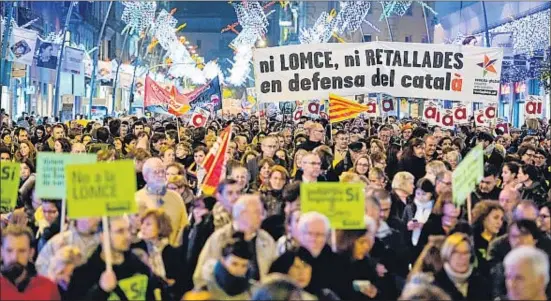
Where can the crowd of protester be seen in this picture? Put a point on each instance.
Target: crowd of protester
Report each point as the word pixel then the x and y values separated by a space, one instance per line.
pixel 251 241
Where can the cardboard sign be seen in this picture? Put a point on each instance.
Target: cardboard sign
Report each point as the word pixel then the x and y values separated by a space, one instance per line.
pixel 431 113
pixel 460 114
pixel 533 108
pixel 101 189
pixel 50 172
pixel 467 175
pixel 9 181
pixel 371 107
pixel 342 203
pixel 134 288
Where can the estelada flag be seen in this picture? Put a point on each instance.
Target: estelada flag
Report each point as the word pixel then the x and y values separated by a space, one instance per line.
pixel 155 94
pixel 341 109
pixel 215 161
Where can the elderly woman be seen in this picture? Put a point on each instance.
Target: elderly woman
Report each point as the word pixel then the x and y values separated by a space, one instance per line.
pixel 459 278
pixel 164 260
pixel 452 158
pixel 402 190
pixel 433 168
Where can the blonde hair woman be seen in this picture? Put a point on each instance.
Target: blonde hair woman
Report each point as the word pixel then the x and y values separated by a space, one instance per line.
pixel 63 264
pixel 298 161
pixel 458 278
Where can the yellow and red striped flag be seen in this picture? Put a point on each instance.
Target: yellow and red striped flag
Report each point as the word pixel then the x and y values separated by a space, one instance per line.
pixel 341 109
pixel 215 162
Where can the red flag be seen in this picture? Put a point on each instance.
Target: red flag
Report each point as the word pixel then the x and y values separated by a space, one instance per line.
pixel 155 94
pixel 179 103
pixel 215 162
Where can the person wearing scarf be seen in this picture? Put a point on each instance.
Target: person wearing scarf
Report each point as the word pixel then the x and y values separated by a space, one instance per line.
pixel 458 278
pixel 417 213
pixel 231 278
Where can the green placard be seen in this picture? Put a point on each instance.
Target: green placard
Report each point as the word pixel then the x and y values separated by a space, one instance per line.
pixel 467 175
pixel 342 203
pixel 105 188
pixel 50 172
pixel 9 185
pixel 135 288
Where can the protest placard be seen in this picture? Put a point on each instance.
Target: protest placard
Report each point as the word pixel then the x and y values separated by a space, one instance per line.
pixel 342 203
pixel 50 172
pixel 102 189
pixel 134 288
pixel 9 183
pixel 311 71
pixel 467 175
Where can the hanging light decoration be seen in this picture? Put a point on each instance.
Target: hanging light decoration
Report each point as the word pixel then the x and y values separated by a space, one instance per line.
pixel 254 23
pixel 530 33
pixel 138 15
pixel 351 16
pixel 400 8
pixel 321 32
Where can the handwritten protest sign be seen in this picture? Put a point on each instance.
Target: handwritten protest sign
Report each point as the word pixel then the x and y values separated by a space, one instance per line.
pixel 467 175
pixel 9 183
pixel 311 71
pixel 50 175
pixel 342 203
pixel 102 189
pixel 134 288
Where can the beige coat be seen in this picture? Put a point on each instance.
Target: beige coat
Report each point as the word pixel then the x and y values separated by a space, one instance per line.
pixel 212 251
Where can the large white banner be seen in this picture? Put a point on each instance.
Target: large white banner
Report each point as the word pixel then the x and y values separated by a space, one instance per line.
pixel 23 42
pixel 311 71
pixel 72 60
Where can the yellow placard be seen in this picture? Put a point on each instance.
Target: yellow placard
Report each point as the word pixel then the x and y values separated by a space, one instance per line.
pixel 342 203
pixel 9 183
pixel 135 288
pixel 105 188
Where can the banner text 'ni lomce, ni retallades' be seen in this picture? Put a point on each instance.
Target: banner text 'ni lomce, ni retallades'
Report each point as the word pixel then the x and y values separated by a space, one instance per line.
pixel 452 72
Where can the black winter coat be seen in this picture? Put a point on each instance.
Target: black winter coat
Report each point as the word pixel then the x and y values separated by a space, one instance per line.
pixel 413 165
pixel 478 288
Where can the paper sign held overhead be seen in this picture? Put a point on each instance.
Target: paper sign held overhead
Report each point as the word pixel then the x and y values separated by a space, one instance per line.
pixel 50 172
pixel 9 183
pixel 101 189
pixel 467 175
pixel 342 203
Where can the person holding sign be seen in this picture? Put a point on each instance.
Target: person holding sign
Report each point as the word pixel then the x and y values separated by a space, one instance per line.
pixel 127 279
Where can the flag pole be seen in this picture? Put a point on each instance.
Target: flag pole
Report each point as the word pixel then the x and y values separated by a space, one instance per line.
pixel 178 127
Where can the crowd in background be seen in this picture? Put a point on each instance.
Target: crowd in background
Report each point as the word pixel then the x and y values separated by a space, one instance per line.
pixel 251 241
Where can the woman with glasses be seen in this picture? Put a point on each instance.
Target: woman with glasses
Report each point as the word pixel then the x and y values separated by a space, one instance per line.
pixel 361 166
pixel 459 278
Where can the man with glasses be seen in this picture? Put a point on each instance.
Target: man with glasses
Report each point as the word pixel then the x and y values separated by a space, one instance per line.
pixel 155 195
pixel 311 167
pixel 384 135
pixel 487 188
pixel 527 153
pixel 341 146
pixel 315 138
pixel 269 146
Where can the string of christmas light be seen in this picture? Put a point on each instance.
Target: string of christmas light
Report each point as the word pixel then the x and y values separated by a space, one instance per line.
pixel 138 15
pixel 400 8
pixel 320 32
pixel 254 23
pixel 351 16
pixel 530 33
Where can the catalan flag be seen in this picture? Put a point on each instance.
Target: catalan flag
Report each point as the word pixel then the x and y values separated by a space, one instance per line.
pixel 215 161
pixel 341 109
